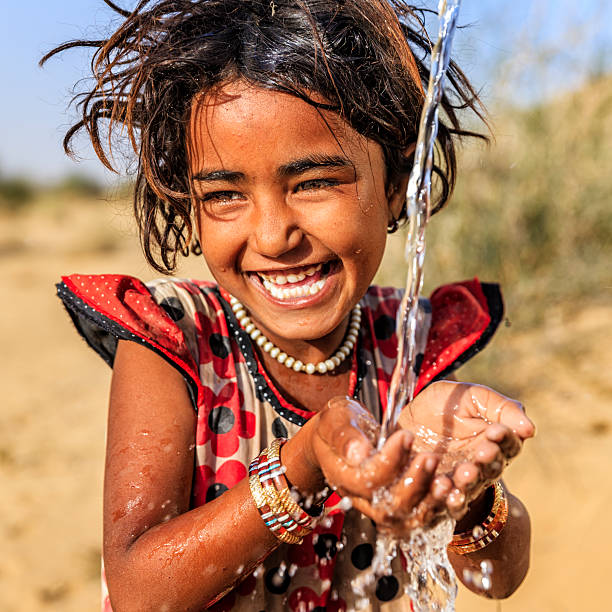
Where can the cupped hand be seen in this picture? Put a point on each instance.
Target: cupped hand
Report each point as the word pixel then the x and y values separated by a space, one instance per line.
pixel 395 487
pixel 474 430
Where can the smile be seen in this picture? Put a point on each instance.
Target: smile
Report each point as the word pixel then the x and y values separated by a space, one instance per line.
pixel 306 281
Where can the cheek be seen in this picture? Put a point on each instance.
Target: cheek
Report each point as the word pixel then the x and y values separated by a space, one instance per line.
pixel 219 245
pixel 363 233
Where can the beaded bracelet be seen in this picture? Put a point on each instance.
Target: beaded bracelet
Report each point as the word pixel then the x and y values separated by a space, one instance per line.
pixel 486 532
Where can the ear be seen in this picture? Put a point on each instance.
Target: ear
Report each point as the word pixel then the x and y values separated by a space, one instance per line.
pixel 396 189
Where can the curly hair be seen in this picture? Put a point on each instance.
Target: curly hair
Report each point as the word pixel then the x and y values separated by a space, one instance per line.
pixel 365 58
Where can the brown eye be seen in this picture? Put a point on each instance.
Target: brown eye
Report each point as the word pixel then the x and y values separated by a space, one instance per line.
pixel 221 203
pixel 316 184
pixel 222 196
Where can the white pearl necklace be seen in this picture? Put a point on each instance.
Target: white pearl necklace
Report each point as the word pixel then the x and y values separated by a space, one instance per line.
pixel 291 362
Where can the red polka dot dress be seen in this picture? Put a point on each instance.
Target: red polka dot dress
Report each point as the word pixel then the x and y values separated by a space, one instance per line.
pixel 240 411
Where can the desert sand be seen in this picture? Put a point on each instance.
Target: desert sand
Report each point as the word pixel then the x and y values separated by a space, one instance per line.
pixel 53 415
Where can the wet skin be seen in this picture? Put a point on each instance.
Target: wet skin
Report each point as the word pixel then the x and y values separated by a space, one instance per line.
pixel 277 192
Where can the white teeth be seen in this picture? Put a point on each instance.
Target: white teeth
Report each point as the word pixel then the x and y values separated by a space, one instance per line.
pixel 285 293
pixel 281 279
pixel 272 284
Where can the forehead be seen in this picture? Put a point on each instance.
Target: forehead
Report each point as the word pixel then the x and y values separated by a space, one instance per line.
pixel 235 122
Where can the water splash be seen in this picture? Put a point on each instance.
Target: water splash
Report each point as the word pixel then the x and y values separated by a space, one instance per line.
pixel 404 378
pixel 431 580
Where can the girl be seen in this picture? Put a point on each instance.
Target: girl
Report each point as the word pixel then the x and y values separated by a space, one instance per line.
pixel 278 136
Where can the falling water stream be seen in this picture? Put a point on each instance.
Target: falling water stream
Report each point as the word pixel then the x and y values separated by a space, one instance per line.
pixel 431 579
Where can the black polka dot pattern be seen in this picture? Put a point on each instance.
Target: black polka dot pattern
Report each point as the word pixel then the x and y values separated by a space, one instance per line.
pixel 325 546
pixel 278 428
pixel 387 588
pixel 277 581
pixel 418 362
pixel 215 490
pixel 221 420
pixel 384 327
pixel 219 346
pixel 173 307
pixel 362 556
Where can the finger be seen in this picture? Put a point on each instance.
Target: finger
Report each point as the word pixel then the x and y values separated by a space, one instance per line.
pixel 365 507
pixel 415 482
pixel 489 459
pixel 378 470
pixel 441 487
pixel 382 468
pixel 345 427
pixel 433 504
pixel 467 476
pixel 498 408
pixel 456 504
pixel 509 443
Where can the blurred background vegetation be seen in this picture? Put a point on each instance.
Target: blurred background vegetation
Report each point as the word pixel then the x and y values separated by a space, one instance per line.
pixel 532 210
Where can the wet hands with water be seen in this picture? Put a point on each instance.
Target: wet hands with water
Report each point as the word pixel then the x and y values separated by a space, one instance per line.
pixel 396 486
pixel 474 431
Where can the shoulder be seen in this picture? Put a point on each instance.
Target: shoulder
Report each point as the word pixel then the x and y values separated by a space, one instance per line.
pixel 166 316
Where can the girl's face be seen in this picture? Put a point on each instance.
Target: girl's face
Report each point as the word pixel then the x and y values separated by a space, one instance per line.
pixel 292 207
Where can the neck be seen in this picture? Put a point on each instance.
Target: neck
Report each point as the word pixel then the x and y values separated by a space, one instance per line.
pixel 310 351
pixel 309 356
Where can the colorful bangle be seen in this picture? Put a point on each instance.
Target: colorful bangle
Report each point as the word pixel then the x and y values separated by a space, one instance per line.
pixel 486 532
pixel 284 493
pixel 264 474
pixel 265 471
pixel 267 513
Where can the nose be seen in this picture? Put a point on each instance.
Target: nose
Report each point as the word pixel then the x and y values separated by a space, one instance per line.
pixel 275 230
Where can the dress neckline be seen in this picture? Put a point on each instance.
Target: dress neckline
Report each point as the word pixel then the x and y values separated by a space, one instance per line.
pixel 264 385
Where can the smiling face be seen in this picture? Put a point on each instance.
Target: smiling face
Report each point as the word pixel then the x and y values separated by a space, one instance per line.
pixel 292 208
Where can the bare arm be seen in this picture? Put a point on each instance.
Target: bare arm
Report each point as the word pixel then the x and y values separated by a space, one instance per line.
pixel 157 551
pixel 508 554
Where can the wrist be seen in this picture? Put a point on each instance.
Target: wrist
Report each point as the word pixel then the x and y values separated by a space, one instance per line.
pixel 484 533
pixel 477 512
pixel 299 460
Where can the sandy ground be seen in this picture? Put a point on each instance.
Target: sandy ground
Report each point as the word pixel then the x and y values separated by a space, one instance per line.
pixel 52 426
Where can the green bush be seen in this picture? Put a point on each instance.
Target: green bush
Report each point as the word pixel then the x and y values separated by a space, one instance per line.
pixel 15 192
pixel 532 211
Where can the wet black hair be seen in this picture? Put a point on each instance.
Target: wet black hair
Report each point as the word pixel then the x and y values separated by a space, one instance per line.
pixel 367 59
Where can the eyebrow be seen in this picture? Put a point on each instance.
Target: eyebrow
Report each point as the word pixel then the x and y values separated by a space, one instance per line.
pixel 293 168
pixel 312 162
pixel 218 175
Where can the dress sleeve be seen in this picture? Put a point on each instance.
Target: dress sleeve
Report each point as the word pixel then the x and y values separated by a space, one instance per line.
pixel 464 318
pixel 108 308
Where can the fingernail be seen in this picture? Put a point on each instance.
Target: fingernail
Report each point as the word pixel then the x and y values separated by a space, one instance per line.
pixel 353 453
pixel 408 439
pixel 430 464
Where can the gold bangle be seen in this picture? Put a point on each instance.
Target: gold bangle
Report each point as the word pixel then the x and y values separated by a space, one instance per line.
pixel 489 530
pixel 269 467
pixel 267 507
pixel 284 493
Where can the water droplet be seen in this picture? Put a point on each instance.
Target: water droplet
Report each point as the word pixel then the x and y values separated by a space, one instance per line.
pixel 477 532
pixel 345 504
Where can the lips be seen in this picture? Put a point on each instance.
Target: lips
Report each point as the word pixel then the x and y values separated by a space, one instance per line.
pixel 295 283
